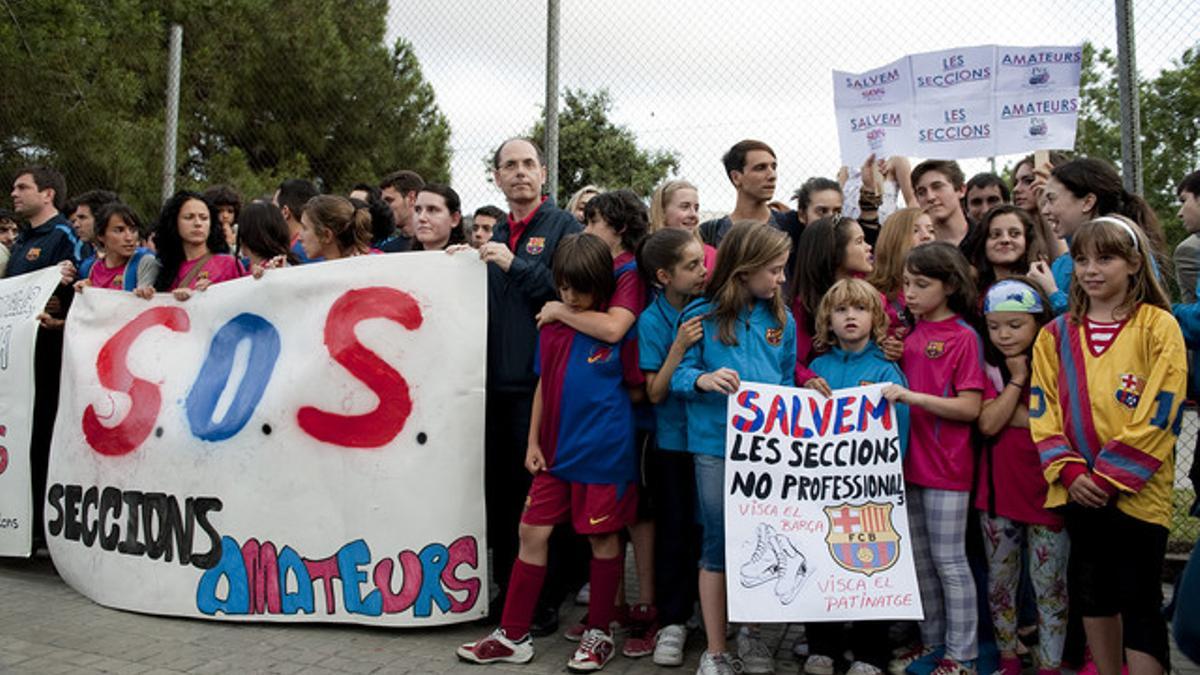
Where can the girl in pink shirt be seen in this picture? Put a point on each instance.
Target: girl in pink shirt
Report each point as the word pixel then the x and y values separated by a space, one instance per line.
pixel 1011 491
pixel 193 253
pixel 124 266
pixel 943 361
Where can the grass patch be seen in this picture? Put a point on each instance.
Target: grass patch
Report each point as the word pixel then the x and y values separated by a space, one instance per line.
pixel 1184 529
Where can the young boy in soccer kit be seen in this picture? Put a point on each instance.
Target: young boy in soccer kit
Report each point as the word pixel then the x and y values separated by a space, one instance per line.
pixel 582 456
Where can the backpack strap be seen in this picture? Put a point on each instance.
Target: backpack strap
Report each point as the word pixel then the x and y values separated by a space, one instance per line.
pixel 186 282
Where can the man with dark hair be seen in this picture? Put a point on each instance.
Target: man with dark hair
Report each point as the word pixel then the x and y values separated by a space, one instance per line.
pixel 483 223
pixel 751 167
pixel 228 203
pixel 520 282
pixel 291 197
pixel 985 191
pixel 939 187
pixel 365 193
pixel 38 194
pixel 82 212
pixel 1187 253
pixel 399 189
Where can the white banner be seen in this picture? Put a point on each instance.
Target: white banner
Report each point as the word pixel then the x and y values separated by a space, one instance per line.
pixel 22 298
pixel 960 103
pixel 303 447
pixel 816 527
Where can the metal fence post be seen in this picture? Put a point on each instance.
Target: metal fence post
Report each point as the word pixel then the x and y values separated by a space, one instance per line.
pixel 1131 121
pixel 171 128
pixel 551 141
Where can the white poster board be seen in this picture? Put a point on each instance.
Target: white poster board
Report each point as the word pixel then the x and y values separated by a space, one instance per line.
pixel 816 527
pixel 960 103
pixel 303 447
pixel 22 298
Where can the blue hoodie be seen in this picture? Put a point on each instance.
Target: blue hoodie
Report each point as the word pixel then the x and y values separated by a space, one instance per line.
pixel 842 370
pixel 765 352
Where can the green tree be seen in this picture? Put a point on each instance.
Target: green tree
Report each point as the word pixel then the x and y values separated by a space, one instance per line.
pixel 1170 118
pixel 594 150
pixel 269 90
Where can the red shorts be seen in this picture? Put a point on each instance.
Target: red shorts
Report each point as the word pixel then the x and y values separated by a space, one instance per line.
pixel 592 508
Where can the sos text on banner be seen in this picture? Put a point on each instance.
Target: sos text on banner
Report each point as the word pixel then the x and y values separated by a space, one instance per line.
pixel 21 300
pixel 302 447
pixel 816 527
pixel 960 103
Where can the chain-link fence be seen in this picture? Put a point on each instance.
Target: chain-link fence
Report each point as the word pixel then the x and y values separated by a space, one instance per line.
pixel 345 92
pixel 692 78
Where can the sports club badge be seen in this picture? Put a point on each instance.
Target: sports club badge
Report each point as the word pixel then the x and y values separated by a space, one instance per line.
pixel 774 336
pixel 535 245
pixel 862 538
pixel 33 254
pixel 1129 391
pixel 935 348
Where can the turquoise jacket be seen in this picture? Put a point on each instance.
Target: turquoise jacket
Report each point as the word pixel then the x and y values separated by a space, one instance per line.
pixel 765 352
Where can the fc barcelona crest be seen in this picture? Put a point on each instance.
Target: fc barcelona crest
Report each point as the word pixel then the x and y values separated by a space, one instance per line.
pixel 935 348
pixel 774 336
pixel 1129 393
pixel 535 245
pixel 862 538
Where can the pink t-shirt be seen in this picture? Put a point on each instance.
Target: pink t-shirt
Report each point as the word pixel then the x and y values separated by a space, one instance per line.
pixel 103 276
pixel 941 358
pixel 1014 467
pixel 219 268
pixel 710 258
pixel 630 294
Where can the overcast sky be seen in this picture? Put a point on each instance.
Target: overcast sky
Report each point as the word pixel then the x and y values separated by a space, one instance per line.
pixel 695 76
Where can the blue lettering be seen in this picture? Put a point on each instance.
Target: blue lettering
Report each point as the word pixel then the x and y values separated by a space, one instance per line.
pixel 233 568
pixel 214 376
pixel 349 557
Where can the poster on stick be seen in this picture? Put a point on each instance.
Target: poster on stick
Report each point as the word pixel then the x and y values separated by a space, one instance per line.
pixel 960 103
pixel 305 447
pixel 816 523
pixel 22 298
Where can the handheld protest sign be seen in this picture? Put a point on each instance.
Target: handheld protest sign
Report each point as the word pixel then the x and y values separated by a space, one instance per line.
pixel 21 300
pixel 816 526
pixel 303 447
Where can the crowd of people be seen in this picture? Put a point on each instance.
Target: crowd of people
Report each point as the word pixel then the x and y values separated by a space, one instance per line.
pixel 1024 334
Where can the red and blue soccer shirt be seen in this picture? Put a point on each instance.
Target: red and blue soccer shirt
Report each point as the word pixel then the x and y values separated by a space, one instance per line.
pixel 587 419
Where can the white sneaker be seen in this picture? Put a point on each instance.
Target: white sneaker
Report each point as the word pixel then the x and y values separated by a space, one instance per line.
pixel 584 596
pixel 818 664
pixel 668 650
pixel 716 664
pixel 497 647
pixel 863 668
pixel 753 652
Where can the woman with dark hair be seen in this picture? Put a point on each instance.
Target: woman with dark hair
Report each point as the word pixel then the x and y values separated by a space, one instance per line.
pixel 438 214
pixel 1087 188
pixel 263 237
pixel 193 253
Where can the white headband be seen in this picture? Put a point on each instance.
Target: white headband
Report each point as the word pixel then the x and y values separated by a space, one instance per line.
pixel 1123 225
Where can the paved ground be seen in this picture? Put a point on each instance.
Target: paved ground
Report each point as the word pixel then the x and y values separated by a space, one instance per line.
pixel 46 627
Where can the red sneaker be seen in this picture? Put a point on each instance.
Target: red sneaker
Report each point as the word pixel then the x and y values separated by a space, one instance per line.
pixel 643 632
pixel 497 648
pixel 594 651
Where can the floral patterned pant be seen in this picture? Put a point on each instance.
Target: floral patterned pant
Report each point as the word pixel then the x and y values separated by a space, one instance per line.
pixel 1048 552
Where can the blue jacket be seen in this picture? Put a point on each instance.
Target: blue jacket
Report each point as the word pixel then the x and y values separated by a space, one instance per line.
pixel 44 246
pixel 842 370
pixel 656 329
pixel 765 352
pixel 516 296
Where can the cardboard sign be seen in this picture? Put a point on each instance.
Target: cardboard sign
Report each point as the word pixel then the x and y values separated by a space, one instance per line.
pixel 960 103
pixel 816 527
pixel 22 298
pixel 303 447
